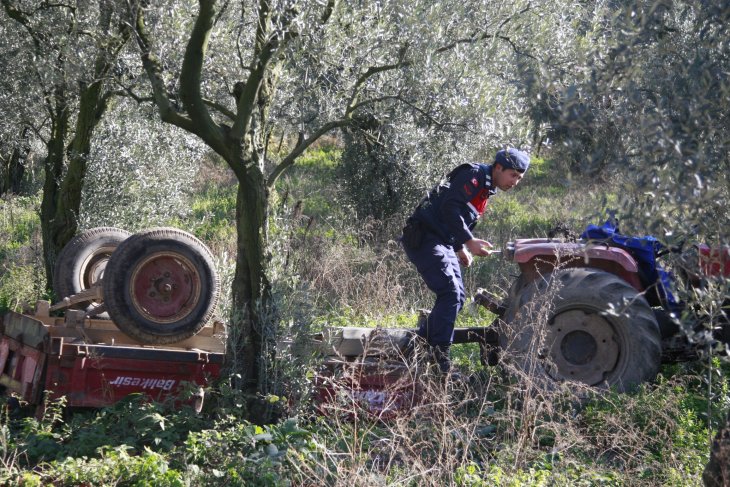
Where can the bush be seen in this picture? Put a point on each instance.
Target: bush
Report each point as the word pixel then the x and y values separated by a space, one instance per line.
pixel 21 264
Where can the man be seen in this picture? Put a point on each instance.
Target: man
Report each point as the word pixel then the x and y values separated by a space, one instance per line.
pixel 438 238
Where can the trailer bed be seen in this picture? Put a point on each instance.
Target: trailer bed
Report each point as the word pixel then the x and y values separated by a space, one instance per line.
pixel 93 364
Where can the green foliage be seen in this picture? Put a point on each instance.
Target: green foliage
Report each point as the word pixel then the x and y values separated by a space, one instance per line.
pixel 539 474
pixel 18 287
pixel 213 210
pixel 139 184
pixel 20 262
pixel 666 414
pixel 378 180
pixel 303 184
pixel 239 453
pixel 114 466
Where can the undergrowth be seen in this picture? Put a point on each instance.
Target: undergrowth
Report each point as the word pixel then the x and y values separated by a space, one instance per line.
pixel 331 270
pixel 487 431
pixel 21 266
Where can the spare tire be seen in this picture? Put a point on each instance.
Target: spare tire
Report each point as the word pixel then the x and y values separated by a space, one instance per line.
pixel 82 261
pixel 583 325
pixel 161 286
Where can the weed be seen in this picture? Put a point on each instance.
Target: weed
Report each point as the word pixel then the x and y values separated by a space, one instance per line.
pixel 21 275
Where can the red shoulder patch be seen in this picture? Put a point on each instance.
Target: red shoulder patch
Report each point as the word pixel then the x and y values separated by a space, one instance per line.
pixel 480 201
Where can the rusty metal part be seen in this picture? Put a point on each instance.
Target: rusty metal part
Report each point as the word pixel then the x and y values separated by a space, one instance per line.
pixel 490 302
pixel 94 293
pixel 582 346
pixel 165 287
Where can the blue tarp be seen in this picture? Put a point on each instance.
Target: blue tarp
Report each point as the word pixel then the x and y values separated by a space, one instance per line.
pixel 644 250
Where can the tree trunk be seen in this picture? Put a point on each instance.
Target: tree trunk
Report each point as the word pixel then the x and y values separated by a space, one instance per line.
pixel 65 221
pixel 252 347
pixel 14 169
pixel 717 471
pixel 53 166
pixel 62 192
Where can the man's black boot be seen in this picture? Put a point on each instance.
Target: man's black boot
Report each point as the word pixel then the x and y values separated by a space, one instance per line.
pixel 415 347
pixel 442 358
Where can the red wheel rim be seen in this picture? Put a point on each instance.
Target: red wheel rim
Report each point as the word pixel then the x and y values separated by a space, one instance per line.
pixel 165 287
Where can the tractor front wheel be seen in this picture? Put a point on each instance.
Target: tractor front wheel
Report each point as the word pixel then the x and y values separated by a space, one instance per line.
pixel 582 325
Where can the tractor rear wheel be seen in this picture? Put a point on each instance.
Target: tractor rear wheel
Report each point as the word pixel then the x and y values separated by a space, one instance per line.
pixel 161 286
pixel 82 261
pixel 583 325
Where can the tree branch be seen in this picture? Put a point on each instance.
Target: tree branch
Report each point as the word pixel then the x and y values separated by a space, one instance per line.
pixel 22 18
pixel 224 110
pixel 416 108
pixel 371 71
pixel 264 48
pixel 328 9
pixel 127 92
pixel 154 72
pixel 191 78
pixel 474 38
pixel 302 145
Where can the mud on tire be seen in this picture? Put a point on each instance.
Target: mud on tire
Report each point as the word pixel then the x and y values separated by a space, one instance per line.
pixel 161 286
pixel 583 325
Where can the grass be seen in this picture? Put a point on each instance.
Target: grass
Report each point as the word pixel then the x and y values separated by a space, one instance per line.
pixel 21 265
pixel 489 433
pixel 492 431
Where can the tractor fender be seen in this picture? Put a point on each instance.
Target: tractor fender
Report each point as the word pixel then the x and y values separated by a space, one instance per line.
pixel 540 256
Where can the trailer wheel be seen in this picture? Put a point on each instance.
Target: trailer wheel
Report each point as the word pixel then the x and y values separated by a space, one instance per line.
pixel 161 286
pixel 83 260
pixel 582 325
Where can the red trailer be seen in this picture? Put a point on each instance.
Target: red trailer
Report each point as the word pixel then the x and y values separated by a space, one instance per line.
pixel 137 317
pixel 93 364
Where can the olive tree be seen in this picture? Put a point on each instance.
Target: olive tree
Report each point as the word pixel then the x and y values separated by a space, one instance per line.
pixel 238 74
pixel 21 114
pixel 643 97
pixel 16 135
pixel 142 172
pixel 72 50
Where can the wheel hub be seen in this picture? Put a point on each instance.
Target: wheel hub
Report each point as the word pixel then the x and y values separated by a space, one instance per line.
pixel 92 269
pixel 583 347
pixel 165 287
pixel 578 347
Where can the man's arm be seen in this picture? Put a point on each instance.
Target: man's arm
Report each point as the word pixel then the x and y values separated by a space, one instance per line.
pixel 465 185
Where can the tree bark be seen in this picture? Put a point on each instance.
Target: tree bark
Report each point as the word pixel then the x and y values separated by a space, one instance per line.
pixel 717 471
pixel 14 168
pixel 252 317
pixel 53 166
pixel 64 224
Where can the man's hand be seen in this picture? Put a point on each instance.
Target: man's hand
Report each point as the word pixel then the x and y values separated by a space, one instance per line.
pixel 478 246
pixel 465 257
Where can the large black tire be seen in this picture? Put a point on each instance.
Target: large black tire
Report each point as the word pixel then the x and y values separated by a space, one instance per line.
pixel 82 261
pixel 161 286
pixel 583 325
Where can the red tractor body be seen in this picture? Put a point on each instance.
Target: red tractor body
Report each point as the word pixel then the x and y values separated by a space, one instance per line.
pixel 601 310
